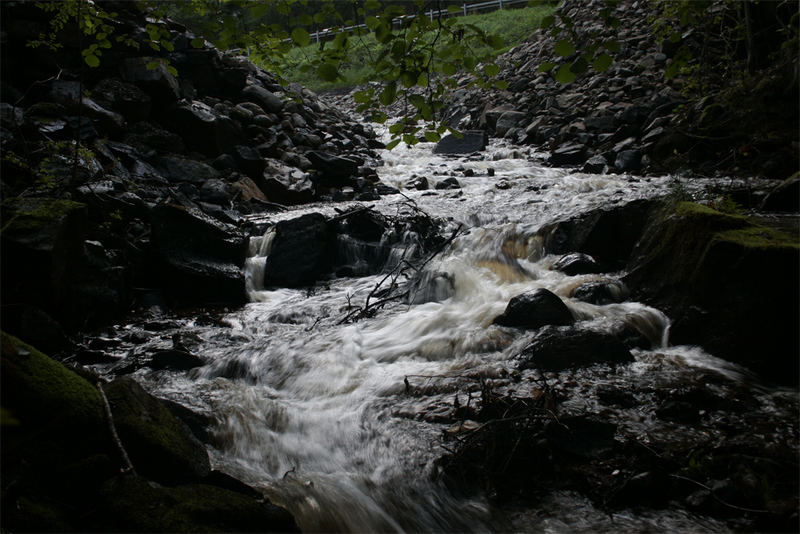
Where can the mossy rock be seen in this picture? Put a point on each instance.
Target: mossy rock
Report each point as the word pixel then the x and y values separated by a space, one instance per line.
pixel 160 446
pixel 134 504
pixel 39 390
pixel 729 285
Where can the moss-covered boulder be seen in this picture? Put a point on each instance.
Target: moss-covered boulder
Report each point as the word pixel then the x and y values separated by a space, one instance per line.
pixel 61 467
pixel 133 504
pixel 42 241
pixel 728 284
pixel 160 446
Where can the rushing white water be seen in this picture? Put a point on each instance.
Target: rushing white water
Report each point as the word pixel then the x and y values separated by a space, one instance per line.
pixel 313 412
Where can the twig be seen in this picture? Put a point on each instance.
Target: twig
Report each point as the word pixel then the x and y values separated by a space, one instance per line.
pixel 114 436
pixel 743 509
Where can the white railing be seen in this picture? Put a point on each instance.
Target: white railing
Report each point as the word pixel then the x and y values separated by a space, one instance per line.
pixel 465 9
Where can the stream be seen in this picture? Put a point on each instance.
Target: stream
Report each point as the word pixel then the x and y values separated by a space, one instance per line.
pixel 317 415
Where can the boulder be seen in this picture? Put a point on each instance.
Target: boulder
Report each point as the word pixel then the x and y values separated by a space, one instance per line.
pixel 470 141
pixel 576 263
pixel 301 252
pixel 199 257
pixel 175 359
pixel 159 446
pixel 507 121
pixel 157 82
pixel 42 243
pixel 268 100
pixel 729 284
pixel 125 98
pixel 607 234
pixel 595 165
pixel 249 161
pixel 203 130
pixel 568 154
pixel 131 503
pixel 285 185
pixel 628 161
pixel 556 348
pixel 333 170
pixel 601 292
pixel 180 169
pixel 535 309
pixel 448 183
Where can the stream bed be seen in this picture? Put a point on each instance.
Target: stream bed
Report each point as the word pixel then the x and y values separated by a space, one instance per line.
pixel 355 425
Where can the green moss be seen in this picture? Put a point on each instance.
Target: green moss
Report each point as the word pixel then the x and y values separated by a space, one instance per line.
pixel 25 214
pixel 38 388
pixel 758 237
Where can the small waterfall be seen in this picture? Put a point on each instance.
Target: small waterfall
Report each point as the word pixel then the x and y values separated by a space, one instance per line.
pixel 259 248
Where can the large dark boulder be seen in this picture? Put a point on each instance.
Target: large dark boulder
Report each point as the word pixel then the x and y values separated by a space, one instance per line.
pixel 469 142
pixel 606 234
pixel 535 309
pixel 729 285
pixel 158 82
pixel 576 263
pixel 556 348
pixel 204 130
pixel 135 505
pixel 160 446
pixel 301 252
pixel 333 170
pixel 199 258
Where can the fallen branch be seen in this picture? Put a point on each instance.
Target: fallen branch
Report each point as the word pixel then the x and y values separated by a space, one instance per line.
pixel 113 429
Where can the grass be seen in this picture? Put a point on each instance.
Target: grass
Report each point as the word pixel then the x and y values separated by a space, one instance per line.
pixel 512 25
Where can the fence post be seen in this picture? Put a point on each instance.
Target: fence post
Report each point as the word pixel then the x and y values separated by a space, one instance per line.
pixel 465 9
pixel 501 4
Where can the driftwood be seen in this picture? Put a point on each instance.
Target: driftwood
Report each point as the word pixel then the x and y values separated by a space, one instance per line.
pixel 113 430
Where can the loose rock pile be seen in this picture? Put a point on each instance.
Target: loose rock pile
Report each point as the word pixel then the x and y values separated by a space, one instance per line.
pixel 167 165
pixel 629 118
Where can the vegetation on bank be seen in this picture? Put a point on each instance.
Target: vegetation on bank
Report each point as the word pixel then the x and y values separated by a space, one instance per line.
pixel 513 26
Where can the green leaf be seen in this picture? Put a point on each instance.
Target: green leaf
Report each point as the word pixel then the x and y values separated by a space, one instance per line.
pixel 495 41
pixel 389 94
pixel 422 81
pixel 305 19
pixel 393 143
pixel 547 21
pixel 372 23
pixel 372 5
pixel 612 46
pixel 92 60
pixel 153 64
pixel 300 37
pixel 546 66
pixel 602 62
pixel 433 137
pixel 410 139
pixel 396 128
pixel 409 79
pixel 449 69
pixel 502 85
pixel 168 46
pixel 579 66
pixel 564 48
pixel 416 100
pixel 565 75
pixel 454 9
pixel 328 72
pixel 675 37
pixel 491 70
pixel 172 70
pixel 198 42
pixel 362 97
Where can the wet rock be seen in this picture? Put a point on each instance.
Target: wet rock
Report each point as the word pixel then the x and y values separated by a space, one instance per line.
pixel 576 263
pixel 333 170
pixel 301 252
pixel 160 446
pixel 268 100
pixel 420 183
pixel 448 183
pixel 628 161
pixel 469 142
pixel 131 503
pixel 535 309
pixel 568 154
pixel 174 359
pixel 601 292
pixel 157 82
pixel 608 235
pixel 203 130
pixel 702 286
pixel 431 286
pixel 507 121
pixel 148 136
pixel 595 165
pixel 556 348
pixel 180 169
pixel 42 243
pixel 29 322
pixel 200 257
pixel 249 161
